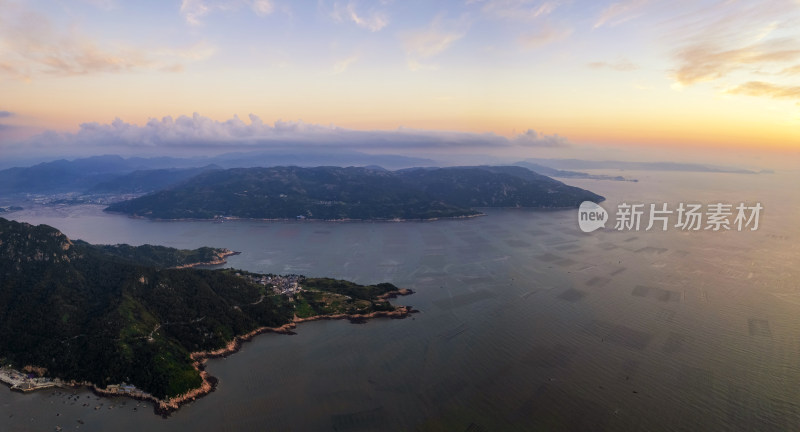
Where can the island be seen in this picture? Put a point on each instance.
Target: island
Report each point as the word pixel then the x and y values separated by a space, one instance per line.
pixel 353 193
pixel 141 321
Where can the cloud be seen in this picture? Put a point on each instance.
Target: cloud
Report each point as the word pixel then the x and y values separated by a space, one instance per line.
pixel 706 62
pixel 620 12
pixel 373 20
pixel 531 138
pixel 735 41
pixel 517 10
pixel 792 70
pixel 34 46
pixel 764 89
pixel 524 15
pixel 6 114
pixel 544 35
pixel 194 11
pixel 622 65
pixel 430 42
pixel 200 134
pixel 263 7
pixel 426 43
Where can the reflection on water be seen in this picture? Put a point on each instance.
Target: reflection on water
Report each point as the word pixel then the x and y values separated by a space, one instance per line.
pixel 526 323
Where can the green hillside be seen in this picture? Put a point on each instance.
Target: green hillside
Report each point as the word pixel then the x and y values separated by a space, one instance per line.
pixel 333 193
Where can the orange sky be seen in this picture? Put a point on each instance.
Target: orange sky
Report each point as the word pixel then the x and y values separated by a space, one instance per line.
pixel 634 74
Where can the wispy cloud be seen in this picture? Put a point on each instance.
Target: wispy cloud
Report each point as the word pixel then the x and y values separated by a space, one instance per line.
pixel 428 42
pixel 517 10
pixel 706 62
pixel 791 70
pixel 738 43
pixel 33 46
pixel 622 65
pixel 765 89
pixel 531 138
pixel 194 11
pixel 432 40
pixel 373 20
pixel 263 7
pixel 6 114
pixel 620 12
pixel 199 133
pixel 544 35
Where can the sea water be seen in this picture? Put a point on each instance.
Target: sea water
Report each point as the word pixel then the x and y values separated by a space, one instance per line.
pixel 526 322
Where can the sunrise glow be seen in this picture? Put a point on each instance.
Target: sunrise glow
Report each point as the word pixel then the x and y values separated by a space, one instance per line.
pixel 631 74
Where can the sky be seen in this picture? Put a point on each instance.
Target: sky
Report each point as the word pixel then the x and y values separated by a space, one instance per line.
pixel 633 79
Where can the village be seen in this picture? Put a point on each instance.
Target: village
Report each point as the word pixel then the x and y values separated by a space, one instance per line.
pixel 288 285
pixel 26 382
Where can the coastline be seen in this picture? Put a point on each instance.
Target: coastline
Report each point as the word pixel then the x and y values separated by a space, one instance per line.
pixel 165 407
pixel 478 213
pixel 221 259
pixel 396 293
pixel 236 218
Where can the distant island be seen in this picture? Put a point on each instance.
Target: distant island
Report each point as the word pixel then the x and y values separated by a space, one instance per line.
pixel 552 172
pixel 117 175
pixel 138 321
pixel 562 164
pixel 109 178
pixel 333 193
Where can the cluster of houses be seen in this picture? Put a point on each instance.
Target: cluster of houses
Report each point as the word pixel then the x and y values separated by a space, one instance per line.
pixel 286 284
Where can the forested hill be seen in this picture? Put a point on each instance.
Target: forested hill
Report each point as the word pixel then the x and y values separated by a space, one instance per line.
pixel 112 314
pixel 333 193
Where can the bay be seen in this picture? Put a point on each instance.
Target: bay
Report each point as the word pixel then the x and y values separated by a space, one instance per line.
pixel 525 322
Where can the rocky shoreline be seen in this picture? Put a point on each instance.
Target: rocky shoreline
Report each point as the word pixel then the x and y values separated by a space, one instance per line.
pixel 165 407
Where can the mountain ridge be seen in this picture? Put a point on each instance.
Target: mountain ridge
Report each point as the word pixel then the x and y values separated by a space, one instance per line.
pixel 334 193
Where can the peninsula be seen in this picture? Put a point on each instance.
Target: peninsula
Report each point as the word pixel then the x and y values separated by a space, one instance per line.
pixel 139 321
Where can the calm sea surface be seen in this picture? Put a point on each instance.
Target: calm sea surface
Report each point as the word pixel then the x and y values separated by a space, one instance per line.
pixel 526 323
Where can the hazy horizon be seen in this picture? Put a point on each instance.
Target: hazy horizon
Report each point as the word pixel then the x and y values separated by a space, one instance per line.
pixel 711 81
